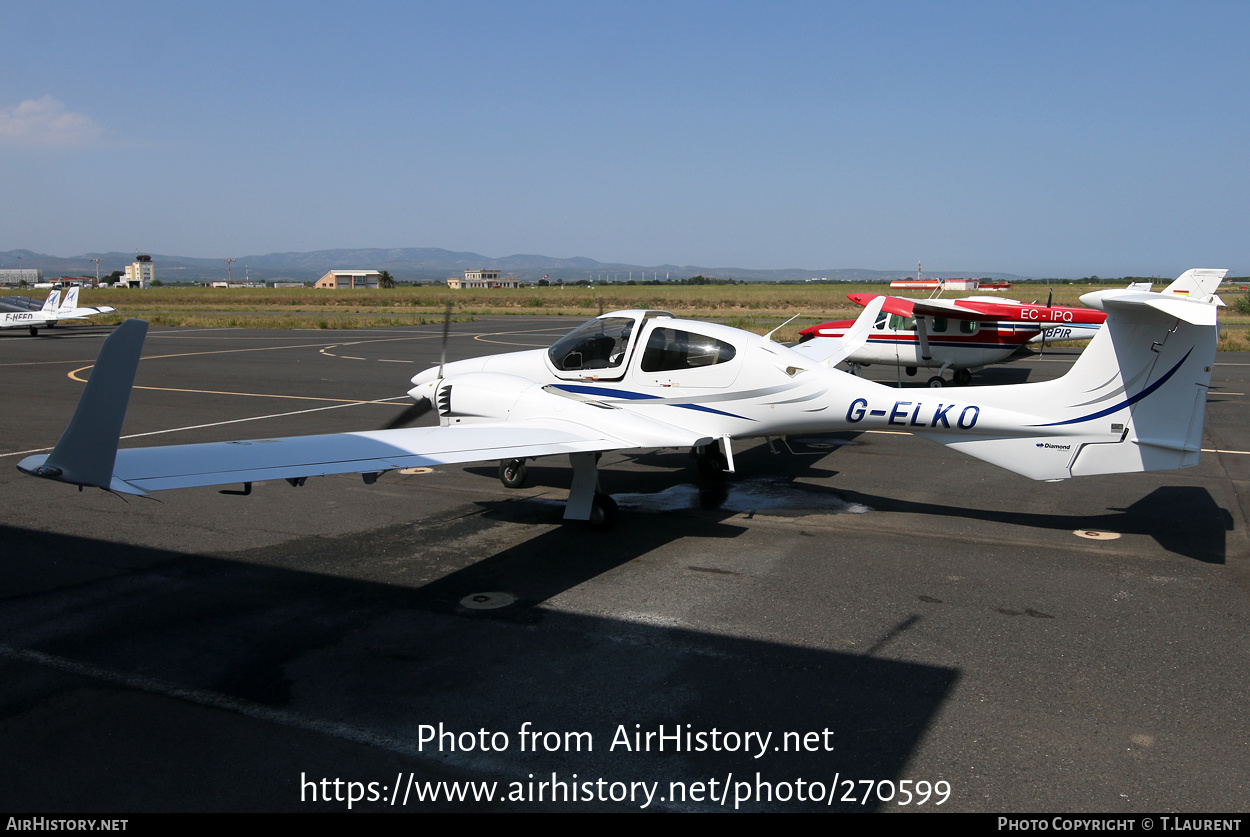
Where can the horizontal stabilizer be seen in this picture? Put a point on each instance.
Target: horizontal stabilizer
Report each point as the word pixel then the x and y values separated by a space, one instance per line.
pixel 830 351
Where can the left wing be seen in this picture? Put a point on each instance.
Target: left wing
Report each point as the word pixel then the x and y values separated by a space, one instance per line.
pixel 87 452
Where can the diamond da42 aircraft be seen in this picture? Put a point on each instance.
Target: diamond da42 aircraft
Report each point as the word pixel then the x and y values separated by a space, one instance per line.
pixel 628 380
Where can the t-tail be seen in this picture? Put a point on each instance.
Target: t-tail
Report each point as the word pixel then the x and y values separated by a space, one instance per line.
pixel 1134 401
pixel 1198 284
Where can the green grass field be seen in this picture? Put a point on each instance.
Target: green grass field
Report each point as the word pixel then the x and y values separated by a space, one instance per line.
pixel 757 308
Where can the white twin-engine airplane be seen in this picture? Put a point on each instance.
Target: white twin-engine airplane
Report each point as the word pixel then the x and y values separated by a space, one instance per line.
pixel 1134 401
pixel 24 312
pixel 27 313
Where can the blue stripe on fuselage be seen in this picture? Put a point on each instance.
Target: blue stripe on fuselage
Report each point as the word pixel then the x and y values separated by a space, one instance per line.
pixel 640 396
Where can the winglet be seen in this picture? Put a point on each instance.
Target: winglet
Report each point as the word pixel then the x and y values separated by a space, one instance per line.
pixel 88 447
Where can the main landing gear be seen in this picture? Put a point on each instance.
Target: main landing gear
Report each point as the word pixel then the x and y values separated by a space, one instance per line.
pixel 960 378
pixel 586 501
pixel 710 461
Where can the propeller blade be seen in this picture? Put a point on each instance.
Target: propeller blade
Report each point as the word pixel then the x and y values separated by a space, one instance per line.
pixel 442 360
pixel 1050 296
pixel 409 415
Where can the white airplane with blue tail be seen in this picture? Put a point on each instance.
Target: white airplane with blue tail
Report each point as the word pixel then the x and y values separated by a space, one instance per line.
pixel 629 380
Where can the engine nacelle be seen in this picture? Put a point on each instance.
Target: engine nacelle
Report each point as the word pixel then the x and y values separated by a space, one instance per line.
pixel 474 396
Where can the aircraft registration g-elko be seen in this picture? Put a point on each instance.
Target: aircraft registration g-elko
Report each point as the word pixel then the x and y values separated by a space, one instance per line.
pixel 1134 401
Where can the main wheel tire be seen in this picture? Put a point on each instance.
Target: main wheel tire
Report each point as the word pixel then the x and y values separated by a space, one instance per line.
pixel 513 473
pixel 711 462
pixel 34 332
pixel 936 382
pixel 962 377
pixel 603 513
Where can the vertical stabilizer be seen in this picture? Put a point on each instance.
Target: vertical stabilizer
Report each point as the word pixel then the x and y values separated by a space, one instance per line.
pixel 1134 401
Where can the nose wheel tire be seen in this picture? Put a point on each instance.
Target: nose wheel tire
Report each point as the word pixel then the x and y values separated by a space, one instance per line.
pixel 513 473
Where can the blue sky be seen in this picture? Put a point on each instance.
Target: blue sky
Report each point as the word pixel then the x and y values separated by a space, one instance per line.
pixel 1044 139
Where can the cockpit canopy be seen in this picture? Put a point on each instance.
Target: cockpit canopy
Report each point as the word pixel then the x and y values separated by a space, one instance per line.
pixel 601 346
pixel 661 350
pixel 670 350
pixel 601 343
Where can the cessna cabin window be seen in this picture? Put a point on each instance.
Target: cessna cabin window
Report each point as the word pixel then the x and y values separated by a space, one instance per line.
pixel 939 325
pixel 900 323
pixel 599 344
pixel 968 326
pixel 669 350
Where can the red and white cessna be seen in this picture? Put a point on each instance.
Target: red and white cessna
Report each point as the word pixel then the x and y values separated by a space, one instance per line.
pixel 968 334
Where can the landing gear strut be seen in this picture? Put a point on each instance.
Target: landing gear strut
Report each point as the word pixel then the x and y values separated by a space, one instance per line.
pixel 586 501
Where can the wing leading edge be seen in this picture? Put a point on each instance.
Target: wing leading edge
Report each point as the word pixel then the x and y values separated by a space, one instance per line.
pixel 87 452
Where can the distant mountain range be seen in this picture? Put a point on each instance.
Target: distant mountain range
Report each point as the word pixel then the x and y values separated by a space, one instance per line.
pixel 425 264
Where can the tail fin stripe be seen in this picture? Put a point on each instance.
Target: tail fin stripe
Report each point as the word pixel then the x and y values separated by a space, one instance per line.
pixel 1128 402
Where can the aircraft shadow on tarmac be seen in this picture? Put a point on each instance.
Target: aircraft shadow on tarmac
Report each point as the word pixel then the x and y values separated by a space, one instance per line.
pixel 1183 519
pixel 384 658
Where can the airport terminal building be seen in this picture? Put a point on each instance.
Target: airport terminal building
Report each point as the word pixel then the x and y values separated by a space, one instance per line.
pixel 481 279
pixel 349 279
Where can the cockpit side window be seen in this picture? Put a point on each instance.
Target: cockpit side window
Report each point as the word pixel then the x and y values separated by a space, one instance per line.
pixel 669 349
pixel 969 326
pixel 601 343
pixel 901 323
